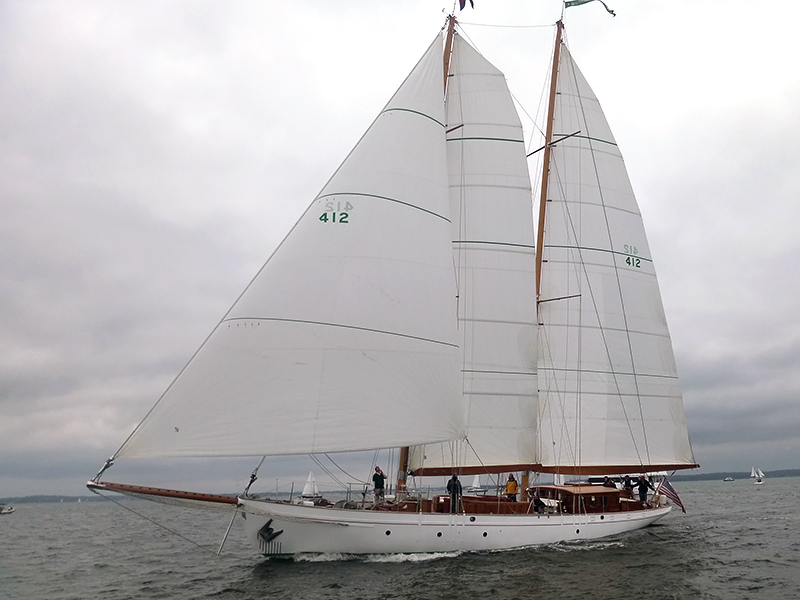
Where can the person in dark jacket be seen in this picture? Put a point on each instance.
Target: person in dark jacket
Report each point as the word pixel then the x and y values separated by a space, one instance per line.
pixel 642 486
pixel 454 489
pixel 379 485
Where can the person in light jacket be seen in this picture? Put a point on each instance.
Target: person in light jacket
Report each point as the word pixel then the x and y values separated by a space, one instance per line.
pixel 511 488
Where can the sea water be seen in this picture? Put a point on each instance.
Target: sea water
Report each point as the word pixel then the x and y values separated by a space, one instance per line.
pixel 736 541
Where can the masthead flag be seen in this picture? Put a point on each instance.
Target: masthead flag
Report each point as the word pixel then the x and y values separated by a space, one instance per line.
pixel 571 3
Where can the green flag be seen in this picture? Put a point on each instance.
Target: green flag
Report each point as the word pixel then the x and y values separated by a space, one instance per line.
pixel 571 3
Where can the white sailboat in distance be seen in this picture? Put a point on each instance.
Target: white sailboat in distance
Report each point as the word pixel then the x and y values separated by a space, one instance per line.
pixel 417 290
pixel 756 475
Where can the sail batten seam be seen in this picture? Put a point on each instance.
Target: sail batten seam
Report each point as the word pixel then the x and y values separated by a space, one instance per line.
pixel 395 200
pixel 309 322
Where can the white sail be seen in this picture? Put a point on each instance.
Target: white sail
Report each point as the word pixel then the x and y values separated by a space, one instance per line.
pixel 310 489
pixel 609 394
pixel 493 248
pixel 346 339
pixel 756 472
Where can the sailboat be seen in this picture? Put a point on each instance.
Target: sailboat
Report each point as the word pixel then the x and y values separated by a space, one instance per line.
pixel 757 475
pixel 475 487
pixel 310 493
pixel 417 290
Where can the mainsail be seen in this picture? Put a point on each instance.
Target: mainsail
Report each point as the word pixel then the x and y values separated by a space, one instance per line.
pixel 608 386
pixel 350 323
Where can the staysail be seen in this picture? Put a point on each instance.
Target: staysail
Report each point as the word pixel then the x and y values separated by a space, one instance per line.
pixel 608 386
pixel 346 339
pixel 493 255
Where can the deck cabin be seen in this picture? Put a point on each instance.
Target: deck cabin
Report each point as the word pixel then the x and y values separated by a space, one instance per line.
pixel 578 498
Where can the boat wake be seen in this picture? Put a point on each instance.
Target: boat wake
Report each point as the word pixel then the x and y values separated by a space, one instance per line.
pixel 582 546
pixel 374 558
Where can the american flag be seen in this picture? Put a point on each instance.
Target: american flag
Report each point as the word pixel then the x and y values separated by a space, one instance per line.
pixel 665 487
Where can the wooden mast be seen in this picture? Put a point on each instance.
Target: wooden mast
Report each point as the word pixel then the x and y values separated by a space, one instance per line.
pixel 548 140
pixel 402 468
pixel 448 48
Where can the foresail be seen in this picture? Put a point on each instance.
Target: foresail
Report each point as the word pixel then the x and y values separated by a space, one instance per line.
pixel 346 338
pixel 609 394
pixel 490 204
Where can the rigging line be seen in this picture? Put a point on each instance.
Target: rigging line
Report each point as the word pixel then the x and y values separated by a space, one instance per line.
pixel 327 471
pixel 560 421
pixel 475 452
pixel 254 475
pixel 342 470
pixel 506 26
pixel 619 288
pixel 577 409
pixel 157 524
pixel 580 261
pixel 554 142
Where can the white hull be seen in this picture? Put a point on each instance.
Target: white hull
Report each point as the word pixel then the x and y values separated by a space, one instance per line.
pixel 292 529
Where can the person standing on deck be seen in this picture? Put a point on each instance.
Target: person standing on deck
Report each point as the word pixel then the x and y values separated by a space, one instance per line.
pixel 454 489
pixel 642 485
pixel 378 481
pixel 511 488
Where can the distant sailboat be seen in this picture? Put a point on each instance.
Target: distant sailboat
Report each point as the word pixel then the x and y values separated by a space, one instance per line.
pixel 476 487
pixel 310 492
pixel 755 473
pixel 416 290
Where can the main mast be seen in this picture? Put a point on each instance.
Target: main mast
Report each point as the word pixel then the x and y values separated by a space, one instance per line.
pixel 402 470
pixel 548 140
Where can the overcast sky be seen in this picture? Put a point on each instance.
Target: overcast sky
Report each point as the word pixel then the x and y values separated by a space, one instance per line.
pixel 153 153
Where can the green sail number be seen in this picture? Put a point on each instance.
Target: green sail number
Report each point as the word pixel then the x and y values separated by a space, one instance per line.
pixel 632 260
pixel 336 212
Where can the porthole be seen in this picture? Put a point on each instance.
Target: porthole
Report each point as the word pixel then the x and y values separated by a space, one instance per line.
pixel 439 534
pixel 472 519
pixel 577 531
pixel 388 532
pixel 485 534
pixel 602 517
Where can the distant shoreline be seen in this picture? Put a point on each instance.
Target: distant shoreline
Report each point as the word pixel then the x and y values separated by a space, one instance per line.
pixel 735 475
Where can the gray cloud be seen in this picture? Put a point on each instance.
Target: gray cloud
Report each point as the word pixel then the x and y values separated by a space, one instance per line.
pixel 152 154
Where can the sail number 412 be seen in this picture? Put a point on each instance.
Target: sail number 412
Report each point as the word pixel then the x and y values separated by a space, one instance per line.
pixel 632 261
pixel 335 212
